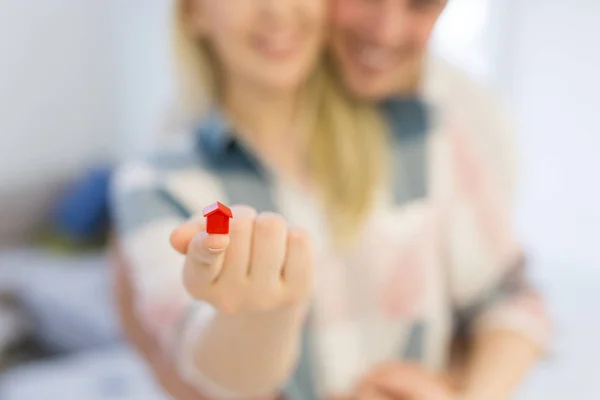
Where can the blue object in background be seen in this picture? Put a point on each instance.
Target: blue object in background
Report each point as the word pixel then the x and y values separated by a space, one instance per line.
pixel 83 211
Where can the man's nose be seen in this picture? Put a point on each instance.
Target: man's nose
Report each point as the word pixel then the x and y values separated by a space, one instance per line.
pixel 390 25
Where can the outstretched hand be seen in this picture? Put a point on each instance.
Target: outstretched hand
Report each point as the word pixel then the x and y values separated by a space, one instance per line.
pixel 261 265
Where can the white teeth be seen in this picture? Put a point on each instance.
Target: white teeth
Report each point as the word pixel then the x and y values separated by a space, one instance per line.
pixel 375 59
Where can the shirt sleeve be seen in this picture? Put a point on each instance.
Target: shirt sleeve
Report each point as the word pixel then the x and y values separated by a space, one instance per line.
pixel 144 214
pixel 489 285
pixel 143 220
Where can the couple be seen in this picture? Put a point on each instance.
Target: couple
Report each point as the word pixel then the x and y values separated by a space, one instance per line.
pixel 372 232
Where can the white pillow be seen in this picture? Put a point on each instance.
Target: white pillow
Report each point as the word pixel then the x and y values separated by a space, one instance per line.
pixel 111 374
pixel 69 296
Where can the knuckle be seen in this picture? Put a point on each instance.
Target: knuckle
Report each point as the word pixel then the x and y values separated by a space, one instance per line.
pixel 300 238
pixel 299 294
pixel 242 224
pixel 196 260
pixel 261 303
pixel 235 284
pixel 293 298
pixel 226 304
pixel 264 303
pixel 265 298
pixel 198 292
pixel 196 268
pixel 242 212
pixel 230 296
pixel 195 247
pixel 227 309
pixel 269 222
pixel 302 283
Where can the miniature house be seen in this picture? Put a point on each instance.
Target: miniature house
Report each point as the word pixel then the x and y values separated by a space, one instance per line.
pixel 217 218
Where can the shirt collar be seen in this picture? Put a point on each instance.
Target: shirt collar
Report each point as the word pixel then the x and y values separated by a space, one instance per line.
pixel 215 133
pixel 408 116
pixel 216 140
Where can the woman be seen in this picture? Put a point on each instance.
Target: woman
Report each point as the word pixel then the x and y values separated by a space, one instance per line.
pixel 269 125
pixel 381 270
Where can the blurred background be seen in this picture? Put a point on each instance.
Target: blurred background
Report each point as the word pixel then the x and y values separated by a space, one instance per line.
pixel 85 83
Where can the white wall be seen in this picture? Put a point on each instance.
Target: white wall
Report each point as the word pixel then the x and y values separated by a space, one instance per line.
pixel 144 74
pixel 57 86
pixel 80 82
pixel 544 57
pixel 553 68
pixel 57 110
pixel 555 75
pixel 464 35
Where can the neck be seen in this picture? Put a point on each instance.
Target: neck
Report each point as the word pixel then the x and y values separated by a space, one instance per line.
pixel 414 83
pixel 265 117
pixel 269 121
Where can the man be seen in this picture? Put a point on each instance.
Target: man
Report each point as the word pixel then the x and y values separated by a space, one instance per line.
pixel 380 48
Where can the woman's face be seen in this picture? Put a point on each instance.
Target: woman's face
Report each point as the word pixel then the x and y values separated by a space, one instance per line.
pixel 267 44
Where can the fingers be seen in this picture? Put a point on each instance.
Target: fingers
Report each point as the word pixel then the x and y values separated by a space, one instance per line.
pixel 204 261
pixel 260 265
pixel 268 248
pixel 183 235
pixel 237 258
pixel 297 271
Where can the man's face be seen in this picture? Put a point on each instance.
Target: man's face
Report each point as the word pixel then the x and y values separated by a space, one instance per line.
pixel 379 45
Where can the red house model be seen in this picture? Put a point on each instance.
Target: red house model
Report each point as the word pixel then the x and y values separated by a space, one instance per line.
pixel 217 218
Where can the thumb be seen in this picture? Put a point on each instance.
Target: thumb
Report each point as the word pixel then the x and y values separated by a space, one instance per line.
pixel 182 236
pixel 206 249
pixel 203 262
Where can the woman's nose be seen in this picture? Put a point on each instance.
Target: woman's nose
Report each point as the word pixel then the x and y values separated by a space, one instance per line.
pixel 277 8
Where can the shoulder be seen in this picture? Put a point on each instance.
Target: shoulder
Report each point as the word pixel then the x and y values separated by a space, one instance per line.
pixel 144 171
pixel 160 187
pixel 445 83
pixel 455 94
pixel 477 111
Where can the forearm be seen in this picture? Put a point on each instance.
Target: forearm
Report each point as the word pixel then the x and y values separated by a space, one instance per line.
pixel 249 355
pixel 498 361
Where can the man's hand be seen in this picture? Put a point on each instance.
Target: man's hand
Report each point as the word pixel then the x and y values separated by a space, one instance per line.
pixel 398 381
pixel 261 266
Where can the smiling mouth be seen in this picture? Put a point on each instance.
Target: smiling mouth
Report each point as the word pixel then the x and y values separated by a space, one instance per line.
pixel 277 46
pixel 372 58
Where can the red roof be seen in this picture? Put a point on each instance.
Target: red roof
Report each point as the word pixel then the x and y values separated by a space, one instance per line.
pixel 217 207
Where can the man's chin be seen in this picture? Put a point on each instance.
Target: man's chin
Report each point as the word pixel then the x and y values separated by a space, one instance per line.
pixel 402 81
pixel 369 89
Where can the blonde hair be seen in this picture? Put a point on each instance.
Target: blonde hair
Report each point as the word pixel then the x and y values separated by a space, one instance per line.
pixel 347 150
